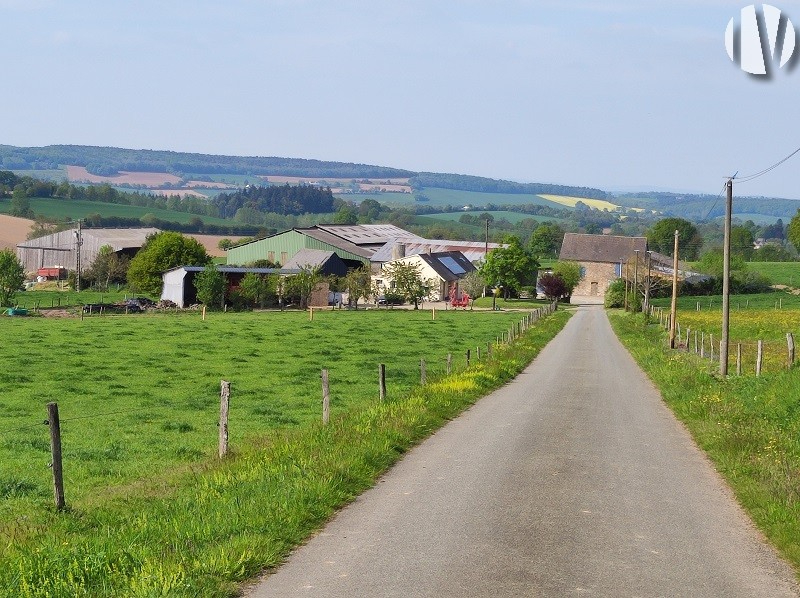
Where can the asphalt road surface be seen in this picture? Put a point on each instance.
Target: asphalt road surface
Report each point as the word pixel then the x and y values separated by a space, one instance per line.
pixel 573 480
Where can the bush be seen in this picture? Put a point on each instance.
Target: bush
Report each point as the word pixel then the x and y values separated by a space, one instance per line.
pixel 615 295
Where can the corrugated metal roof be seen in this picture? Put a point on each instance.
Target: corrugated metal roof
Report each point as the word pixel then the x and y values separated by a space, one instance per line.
pixel 309 257
pixel 335 241
pixel 472 250
pixel 606 249
pixel 120 238
pixel 237 270
pixel 367 234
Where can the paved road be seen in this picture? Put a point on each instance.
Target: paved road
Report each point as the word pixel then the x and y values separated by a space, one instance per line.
pixel 572 480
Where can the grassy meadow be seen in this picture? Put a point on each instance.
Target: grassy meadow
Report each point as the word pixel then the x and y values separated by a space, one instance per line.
pixel 61 209
pixel 766 317
pixel 152 511
pixel 749 426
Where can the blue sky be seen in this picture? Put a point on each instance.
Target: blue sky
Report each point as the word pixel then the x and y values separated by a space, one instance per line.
pixel 618 95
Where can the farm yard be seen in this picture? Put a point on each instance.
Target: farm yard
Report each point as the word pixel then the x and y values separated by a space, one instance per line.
pixel 139 406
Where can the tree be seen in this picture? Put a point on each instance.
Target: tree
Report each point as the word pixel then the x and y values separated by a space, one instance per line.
pixel 570 273
pixel 12 275
pixel 742 242
pixel 407 280
pixel 161 252
pixel 472 284
pixel 107 267
pixel 20 204
pixel 258 288
pixel 546 240
pixel 510 267
pixel 553 286
pixel 303 283
pixel 210 285
pixel 793 230
pixel 359 284
pixel 661 238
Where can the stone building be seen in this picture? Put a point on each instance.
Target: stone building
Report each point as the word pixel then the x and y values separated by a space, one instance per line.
pixel 601 258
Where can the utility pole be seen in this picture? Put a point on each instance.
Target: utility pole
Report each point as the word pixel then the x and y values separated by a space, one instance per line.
pixel 486 244
pixel 627 282
pixel 78 244
pixel 646 304
pixel 635 280
pixel 673 311
pixel 726 282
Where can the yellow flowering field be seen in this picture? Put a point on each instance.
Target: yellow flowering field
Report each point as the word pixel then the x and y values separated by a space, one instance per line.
pixel 747 327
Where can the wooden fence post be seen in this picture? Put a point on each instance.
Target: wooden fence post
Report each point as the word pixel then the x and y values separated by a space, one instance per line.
pixel 688 339
pixel 382 381
pixel 738 359
pixel 790 346
pixel 478 352
pixel 467 357
pixel 702 344
pixel 759 357
pixel 224 405
pixel 55 448
pixel 488 350
pixel 326 398
pixel 204 313
pixel 711 345
pixel 422 372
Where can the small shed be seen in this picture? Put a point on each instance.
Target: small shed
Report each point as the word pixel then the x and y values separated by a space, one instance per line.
pixel 327 261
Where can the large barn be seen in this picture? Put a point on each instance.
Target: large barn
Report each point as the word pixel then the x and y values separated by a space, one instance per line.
pixel 59 250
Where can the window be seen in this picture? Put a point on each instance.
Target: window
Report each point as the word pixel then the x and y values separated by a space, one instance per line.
pixel 271 256
pixel 284 257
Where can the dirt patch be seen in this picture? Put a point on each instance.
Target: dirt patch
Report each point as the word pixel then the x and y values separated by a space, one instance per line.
pixel 210 243
pixel 13 231
pixel 125 177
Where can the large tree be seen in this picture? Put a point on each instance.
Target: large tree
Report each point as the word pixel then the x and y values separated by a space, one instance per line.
pixel 510 267
pixel 570 273
pixel 793 230
pixel 12 275
pixel 546 240
pixel 210 285
pixel 359 285
pixel 408 280
pixel 303 283
pixel 661 238
pixel 258 287
pixel 107 267
pixel 161 252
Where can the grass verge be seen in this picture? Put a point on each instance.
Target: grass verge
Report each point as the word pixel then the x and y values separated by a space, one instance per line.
pixel 206 527
pixel 749 426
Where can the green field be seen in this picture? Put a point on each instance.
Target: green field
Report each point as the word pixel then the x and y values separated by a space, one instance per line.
pixel 786 273
pixel 152 511
pixel 512 217
pixel 62 209
pixel 452 197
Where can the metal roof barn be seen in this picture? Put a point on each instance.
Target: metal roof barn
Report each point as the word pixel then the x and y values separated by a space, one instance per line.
pixel 58 250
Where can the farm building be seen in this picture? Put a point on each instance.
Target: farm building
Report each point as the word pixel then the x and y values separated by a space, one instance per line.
pixel 601 258
pixel 444 269
pixel 355 244
pixel 58 250
pixel 327 262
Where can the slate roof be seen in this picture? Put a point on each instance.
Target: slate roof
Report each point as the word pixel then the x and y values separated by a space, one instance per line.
pixel 449 265
pixel 600 248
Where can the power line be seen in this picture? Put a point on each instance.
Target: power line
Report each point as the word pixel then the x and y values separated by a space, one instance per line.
pixel 750 177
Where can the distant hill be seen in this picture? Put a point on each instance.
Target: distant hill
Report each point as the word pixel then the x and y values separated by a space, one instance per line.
pixel 207 175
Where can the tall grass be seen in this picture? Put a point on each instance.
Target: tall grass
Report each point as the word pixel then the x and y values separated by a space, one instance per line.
pixel 749 426
pixel 201 526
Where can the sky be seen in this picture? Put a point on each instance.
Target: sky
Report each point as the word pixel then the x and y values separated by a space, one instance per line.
pixel 620 95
